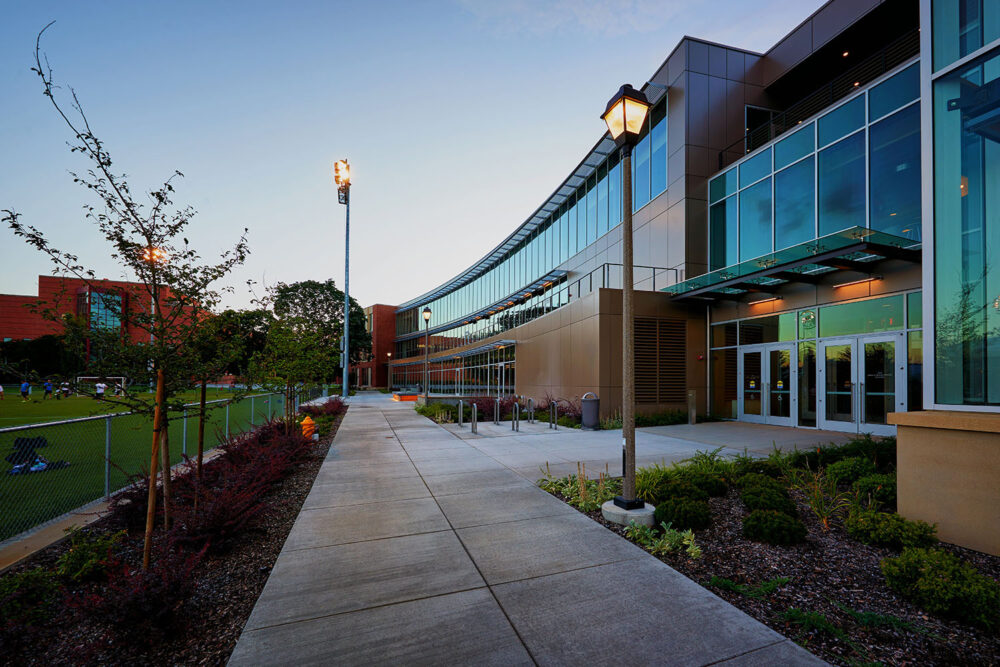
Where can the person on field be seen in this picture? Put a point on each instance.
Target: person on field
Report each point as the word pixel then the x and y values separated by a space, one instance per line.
pixel 1 392
pixel 25 390
pixel 99 389
pixel 64 389
pixel 48 390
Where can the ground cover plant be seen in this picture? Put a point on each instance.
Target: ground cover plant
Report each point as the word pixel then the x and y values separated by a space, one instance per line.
pixel 820 556
pixel 88 600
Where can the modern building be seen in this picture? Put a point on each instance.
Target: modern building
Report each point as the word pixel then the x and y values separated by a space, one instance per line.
pixel 100 304
pixel 380 322
pixel 811 224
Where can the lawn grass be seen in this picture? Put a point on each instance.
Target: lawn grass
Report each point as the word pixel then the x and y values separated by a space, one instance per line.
pixel 29 499
pixel 16 412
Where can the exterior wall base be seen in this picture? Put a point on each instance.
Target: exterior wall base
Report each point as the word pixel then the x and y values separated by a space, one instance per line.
pixel 948 473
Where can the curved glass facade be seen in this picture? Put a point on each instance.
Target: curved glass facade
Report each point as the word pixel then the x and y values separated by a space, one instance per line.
pixel 524 282
pixel 857 165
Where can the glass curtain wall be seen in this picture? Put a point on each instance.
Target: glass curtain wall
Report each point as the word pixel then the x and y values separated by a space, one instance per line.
pixel 966 213
pixel 857 165
pixel 594 209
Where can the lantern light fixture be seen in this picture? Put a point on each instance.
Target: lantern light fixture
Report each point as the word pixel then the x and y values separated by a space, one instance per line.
pixel 625 115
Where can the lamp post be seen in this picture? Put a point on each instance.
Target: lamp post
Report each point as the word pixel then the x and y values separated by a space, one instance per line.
pixel 388 368
pixel 427 348
pixel 625 116
pixel 342 177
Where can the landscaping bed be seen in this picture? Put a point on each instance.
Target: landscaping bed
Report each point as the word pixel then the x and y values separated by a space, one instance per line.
pixel 827 590
pixel 86 601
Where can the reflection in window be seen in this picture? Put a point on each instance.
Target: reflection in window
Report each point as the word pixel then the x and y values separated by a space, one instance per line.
pixel 895 173
pixel 724 234
pixel 961 27
pixel 894 92
pixel 755 220
pixel 640 174
pixel 858 317
pixel 794 205
pixel 842 185
pixel 841 121
pixel 658 150
pixel 755 168
pixel 798 145
pixel 722 185
pixel 967 234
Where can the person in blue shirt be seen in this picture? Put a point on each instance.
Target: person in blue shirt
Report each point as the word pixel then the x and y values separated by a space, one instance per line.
pixel 25 388
pixel 48 390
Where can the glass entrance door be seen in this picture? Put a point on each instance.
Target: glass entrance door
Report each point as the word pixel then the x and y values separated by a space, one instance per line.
pixel 768 393
pixel 861 380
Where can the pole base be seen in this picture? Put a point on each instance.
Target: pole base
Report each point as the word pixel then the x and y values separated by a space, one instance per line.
pixel 621 501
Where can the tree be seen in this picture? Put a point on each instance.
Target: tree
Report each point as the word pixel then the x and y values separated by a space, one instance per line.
pixel 321 305
pixel 147 239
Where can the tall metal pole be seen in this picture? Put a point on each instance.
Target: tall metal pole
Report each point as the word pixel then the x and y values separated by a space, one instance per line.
pixel 427 372
pixel 347 296
pixel 628 337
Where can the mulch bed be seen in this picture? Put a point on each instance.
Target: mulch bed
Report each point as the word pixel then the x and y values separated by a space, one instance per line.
pixel 829 569
pixel 226 588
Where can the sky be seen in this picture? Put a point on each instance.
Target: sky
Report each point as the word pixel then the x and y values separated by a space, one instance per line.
pixel 458 118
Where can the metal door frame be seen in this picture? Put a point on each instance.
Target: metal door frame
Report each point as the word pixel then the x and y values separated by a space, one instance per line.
pixel 857 343
pixel 764 349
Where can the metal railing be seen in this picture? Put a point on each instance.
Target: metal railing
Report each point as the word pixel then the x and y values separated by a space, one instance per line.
pixel 55 467
pixel 869 69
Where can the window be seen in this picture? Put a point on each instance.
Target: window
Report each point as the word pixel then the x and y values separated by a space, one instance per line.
pixel 658 150
pixel 960 27
pixel 794 204
pixel 591 210
pixel 841 121
pixel 722 185
pixel 967 234
pixel 842 185
pixel 894 93
pixel 640 174
pixel 858 317
pixel 755 220
pixel 602 200
pixel 755 168
pixel 894 180
pixel 724 240
pixel 798 145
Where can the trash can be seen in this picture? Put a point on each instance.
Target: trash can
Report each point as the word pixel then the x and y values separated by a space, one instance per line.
pixel 590 417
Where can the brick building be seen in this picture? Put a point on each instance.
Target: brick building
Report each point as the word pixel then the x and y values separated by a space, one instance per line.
pixel 380 321
pixel 100 304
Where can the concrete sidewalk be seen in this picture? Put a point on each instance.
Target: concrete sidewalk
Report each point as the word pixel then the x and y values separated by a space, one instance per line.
pixel 415 546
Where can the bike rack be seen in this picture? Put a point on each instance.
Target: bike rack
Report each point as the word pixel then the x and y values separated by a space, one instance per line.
pixel 515 419
pixel 496 412
pixel 461 409
pixel 475 418
pixel 553 416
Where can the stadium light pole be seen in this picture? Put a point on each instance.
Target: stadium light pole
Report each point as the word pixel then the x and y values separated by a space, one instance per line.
pixel 427 348
pixel 342 177
pixel 625 116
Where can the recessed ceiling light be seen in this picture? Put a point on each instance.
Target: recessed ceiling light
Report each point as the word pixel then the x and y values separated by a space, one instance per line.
pixel 857 83
pixel 845 53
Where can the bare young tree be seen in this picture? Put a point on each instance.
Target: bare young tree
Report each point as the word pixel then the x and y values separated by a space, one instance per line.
pixel 146 234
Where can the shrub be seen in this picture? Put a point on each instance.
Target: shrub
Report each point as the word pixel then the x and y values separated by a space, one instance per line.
pixel 136 601
pixel 26 598
pixel 668 541
pixel 878 489
pixel 683 513
pixel 942 584
pixel 87 556
pixel 768 498
pixel 889 530
pixel 744 465
pixel 711 483
pixel 773 527
pixel 667 418
pixel 127 508
pixel 332 407
pixel 881 452
pixel 649 479
pixel 847 471
pixel 672 487
pixel 754 479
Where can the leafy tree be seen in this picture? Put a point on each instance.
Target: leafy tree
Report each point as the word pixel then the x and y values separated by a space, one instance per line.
pixel 321 304
pixel 147 239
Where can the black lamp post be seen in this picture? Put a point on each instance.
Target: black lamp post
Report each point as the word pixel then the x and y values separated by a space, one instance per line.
pixel 427 348
pixel 625 117
pixel 388 368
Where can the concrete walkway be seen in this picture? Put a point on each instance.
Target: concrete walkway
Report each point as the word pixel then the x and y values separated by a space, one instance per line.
pixel 415 546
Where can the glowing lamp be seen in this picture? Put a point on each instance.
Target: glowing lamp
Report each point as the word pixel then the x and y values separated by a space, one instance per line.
pixel 626 114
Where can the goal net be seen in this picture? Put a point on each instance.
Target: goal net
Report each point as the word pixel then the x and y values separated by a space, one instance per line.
pixel 87 384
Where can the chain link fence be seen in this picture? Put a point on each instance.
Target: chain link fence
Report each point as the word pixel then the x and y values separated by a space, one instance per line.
pixel 56 467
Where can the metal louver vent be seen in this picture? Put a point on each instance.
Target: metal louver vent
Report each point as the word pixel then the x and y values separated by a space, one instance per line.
pixel 660 368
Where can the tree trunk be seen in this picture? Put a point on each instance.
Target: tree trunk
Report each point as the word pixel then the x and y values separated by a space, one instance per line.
pixel 167 472
pixel 147 545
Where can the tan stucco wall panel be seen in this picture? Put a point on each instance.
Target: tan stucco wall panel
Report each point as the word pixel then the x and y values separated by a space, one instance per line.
pixel 951 476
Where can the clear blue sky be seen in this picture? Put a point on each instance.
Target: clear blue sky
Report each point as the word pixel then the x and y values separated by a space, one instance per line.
pixel 458 117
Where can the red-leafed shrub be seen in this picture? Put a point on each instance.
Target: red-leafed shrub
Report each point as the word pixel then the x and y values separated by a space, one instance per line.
pixel 136 601
pixel 127 508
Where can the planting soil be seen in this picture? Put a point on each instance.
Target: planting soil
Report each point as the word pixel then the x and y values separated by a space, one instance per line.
pixel 851 616
pixel 206 623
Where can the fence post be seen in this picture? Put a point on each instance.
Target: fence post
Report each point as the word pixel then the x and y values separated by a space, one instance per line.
pixel 227 420
pixel 269 407
pixel 461 408
pixel 251 413
pixel 184 434
pixel 107 457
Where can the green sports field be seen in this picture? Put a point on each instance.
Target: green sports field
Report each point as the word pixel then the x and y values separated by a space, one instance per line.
pixel 29 499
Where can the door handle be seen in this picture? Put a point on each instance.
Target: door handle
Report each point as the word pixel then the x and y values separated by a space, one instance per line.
pixel 861 402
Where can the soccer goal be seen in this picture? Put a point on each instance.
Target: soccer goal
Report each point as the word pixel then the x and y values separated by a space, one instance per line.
pixel 87 384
